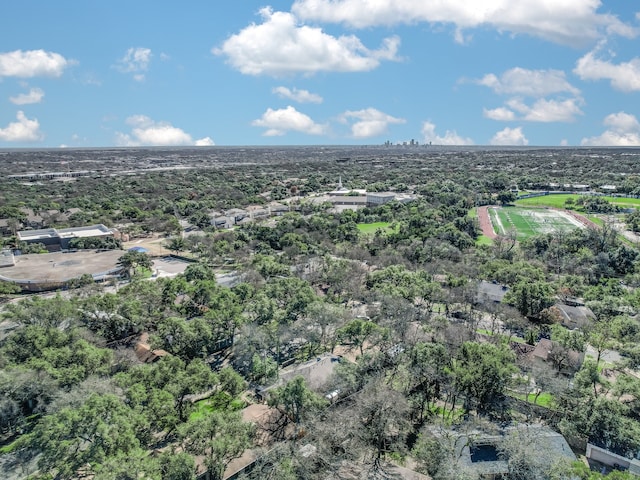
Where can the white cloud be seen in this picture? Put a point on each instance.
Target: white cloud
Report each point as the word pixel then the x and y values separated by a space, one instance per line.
pixel 35 95
pixel 451 137
pixel 280 46
pixel 204 142
pixel 547 110
pixel 572 22
pixel 530 83
pixel 146 131
pixel 624 76
pixel 279 122
pixel 300 96
pixel 24 130
pixel 623 131
pixel 32 63
pixel 369 122
pixel 500 114
pixel 510 136
pixel 135 61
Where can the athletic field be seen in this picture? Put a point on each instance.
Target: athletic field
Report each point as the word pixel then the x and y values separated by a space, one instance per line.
pixel 528 222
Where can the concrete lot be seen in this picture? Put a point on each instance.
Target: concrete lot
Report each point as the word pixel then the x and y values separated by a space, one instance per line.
pixel 169 266
pixel 57 267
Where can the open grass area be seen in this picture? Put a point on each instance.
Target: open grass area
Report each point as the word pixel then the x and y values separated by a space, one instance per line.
pixel 483 240
pixel 218 401
pixel 373 227
pixel 558 200
pixel 545 399
pixel 528 222
pixel 624 202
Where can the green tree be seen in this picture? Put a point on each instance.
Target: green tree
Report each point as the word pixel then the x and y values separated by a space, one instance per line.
pixel 482 372
pixel 56 312
pixel 295 399
pixel 220 437
pixel 146 385
pixel 103 427
pixel 132 465
pixel 506 196
pixel 429 366
pixel 65 356
pixel 357 332
pixel 530 298
pixel 113 316
pixel 176 244
pixel 7 289
pixel 133 260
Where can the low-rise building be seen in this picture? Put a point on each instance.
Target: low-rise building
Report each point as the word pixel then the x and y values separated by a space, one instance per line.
pixel 486 455
pixel 489 292
pixel 58 239
pixel 375 199
pixel 603 456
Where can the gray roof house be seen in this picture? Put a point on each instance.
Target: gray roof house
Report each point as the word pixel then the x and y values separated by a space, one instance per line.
pixel 484 455
pixel 490 292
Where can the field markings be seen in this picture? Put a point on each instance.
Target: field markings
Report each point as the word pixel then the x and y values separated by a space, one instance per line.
pixel 494 215
pixel 533 221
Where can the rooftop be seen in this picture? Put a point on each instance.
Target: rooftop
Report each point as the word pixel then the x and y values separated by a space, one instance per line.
pixel 74 232
pixel 90 231
pixel 27 235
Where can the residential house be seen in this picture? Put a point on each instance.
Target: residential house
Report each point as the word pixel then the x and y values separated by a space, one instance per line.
pixel 574 316
pixel 237 214
pixel 483 454
pixel 278 209
pixel 145 353
pixel 552 354
pixel 603 456
pixel 258 212
pixel 490 292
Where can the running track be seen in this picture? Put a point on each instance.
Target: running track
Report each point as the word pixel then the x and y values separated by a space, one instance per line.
pixel 485 222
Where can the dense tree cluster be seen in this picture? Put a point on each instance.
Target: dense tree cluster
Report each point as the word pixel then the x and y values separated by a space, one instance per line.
pixel 421 352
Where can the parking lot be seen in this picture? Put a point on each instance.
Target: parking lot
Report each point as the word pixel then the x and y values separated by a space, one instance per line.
pixel 169 266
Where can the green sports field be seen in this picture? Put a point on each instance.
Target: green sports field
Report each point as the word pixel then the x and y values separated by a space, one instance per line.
pixel 528 222
pixel 557 200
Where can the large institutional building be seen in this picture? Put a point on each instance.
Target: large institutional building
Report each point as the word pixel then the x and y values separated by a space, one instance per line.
pixel 58 239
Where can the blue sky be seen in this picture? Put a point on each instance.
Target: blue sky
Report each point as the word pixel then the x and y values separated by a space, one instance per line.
pixel 137 73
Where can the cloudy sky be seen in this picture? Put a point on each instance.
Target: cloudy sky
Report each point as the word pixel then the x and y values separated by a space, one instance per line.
pixel 143 72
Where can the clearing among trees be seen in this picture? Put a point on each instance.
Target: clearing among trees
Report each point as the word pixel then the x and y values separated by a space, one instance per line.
pixel 531 221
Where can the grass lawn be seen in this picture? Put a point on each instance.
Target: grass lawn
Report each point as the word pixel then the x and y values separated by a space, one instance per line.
pixel 597 220
pixel 372 227
pixel 483 240
pixel 450 417
pixel 218 401
pixel 558 200
pixel 530 221
pixel 624 202
pixel 513 338
pixel 545 399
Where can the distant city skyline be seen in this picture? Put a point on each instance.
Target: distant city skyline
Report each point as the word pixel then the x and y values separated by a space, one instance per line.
pixel 298 72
